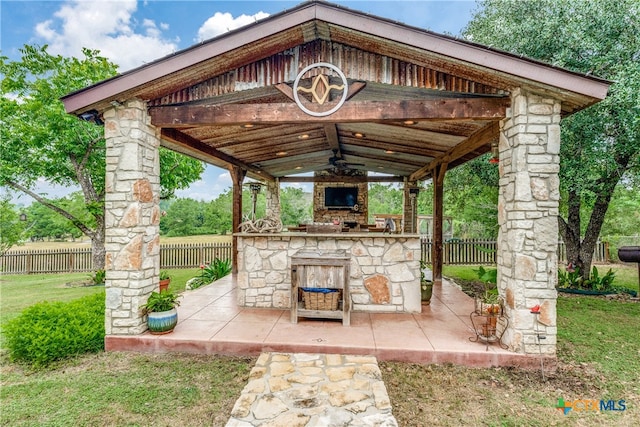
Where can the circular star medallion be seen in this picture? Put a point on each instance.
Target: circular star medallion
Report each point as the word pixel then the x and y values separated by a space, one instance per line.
pixel 320 90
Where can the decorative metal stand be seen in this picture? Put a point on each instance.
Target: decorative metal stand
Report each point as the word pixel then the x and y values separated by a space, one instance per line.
pixel 489 323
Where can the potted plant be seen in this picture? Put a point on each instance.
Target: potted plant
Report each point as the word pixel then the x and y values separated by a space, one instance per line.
pixel 165 280
pixel 426 286
pixel 488 304
pixel 161 312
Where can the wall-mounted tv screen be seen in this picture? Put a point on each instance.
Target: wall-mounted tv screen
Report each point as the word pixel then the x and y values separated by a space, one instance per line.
pixel 340 197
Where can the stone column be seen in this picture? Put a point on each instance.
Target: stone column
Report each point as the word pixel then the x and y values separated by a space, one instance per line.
pixel 132 216
pixel 272 195
pixel 410 208
pixel 527 217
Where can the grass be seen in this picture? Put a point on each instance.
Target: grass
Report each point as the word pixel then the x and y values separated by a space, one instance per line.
pixel 85 243
pixel 626 274
pixel 118 389
pixel 598 358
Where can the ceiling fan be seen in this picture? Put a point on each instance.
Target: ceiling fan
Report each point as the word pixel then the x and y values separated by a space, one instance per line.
pixel 340 163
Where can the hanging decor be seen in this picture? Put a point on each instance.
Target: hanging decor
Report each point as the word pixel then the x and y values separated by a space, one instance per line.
pixel 320 104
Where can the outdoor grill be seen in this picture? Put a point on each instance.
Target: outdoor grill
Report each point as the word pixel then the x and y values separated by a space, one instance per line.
pixel 630 254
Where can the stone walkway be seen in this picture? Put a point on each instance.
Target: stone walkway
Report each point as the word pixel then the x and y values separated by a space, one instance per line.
pixel 313 390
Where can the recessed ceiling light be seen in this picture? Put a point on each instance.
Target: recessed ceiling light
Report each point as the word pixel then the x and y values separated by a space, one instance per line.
pixel 248 125
pixel 358 134
pixel 303 136
pixel 281 153
pixel 409 122
pixel 389 151
pixel 298 167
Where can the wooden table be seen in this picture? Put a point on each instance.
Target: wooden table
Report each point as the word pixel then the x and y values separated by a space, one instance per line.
pixel 319 269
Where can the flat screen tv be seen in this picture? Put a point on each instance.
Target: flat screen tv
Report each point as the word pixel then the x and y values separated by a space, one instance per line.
pixel 340 197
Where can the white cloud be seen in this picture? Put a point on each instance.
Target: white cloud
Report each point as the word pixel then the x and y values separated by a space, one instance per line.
pixel 220 23
pixel 107 26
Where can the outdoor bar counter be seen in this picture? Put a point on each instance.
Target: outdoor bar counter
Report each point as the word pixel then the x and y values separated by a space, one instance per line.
pixel 384 269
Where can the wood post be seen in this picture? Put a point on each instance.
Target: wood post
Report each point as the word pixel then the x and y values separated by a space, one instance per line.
pixel 436 248
pixel 237 176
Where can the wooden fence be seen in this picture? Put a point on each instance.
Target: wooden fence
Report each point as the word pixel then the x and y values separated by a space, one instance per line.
pixel 483 252
pixel 459 252
pixel 79 260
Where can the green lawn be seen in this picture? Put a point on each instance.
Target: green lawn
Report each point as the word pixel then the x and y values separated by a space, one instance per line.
pixel 626 275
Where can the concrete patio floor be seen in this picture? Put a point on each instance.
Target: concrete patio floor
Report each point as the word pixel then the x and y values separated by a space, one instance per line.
pixel 210 322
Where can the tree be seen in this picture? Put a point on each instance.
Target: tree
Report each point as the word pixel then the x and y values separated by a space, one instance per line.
pixel 11 228
pixel 39 140
pixel 471 197
pixel 46 223
pixel 185 217
pixel 601 144
pixel 295 205
pixel 384 199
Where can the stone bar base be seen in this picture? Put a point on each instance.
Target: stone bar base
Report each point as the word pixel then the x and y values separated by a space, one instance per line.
pixel 384 272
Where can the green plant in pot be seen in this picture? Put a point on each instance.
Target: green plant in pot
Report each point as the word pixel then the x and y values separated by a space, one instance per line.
pixel 165 280
pixel 426 286
pixel 161 312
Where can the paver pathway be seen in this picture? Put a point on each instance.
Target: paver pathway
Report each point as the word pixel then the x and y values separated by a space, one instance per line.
pixel 313 390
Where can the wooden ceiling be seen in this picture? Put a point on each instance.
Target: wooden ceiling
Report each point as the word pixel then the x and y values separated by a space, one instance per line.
pixel 416 99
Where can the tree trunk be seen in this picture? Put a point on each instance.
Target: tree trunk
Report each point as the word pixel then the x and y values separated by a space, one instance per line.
pixel 580 252
pixel 98 252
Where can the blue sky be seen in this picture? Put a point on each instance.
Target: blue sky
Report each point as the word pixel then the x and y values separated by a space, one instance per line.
pixel 131 32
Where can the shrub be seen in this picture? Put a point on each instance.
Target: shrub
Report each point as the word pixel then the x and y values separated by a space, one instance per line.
pixel 98 277
pixel 573 279
pixel 50 331
pixel 212 272
pixel 602 284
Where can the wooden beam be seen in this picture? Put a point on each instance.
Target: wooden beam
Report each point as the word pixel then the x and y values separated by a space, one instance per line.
pixel 345 179
pixel 476 140
pixel 185 140
pixel 352 111
pixel 438 211
pixel 331 132
pixel 354 88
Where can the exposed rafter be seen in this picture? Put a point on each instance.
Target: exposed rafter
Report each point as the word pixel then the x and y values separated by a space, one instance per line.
pixel 191 145
pixel 482 137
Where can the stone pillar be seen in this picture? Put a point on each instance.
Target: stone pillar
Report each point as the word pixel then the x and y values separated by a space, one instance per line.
pixel 272 195
pixel 527 217
pixel 410 207
pixel 132 216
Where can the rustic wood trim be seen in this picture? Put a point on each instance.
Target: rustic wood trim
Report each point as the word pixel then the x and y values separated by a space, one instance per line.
pixel 352 111
pixel 345 179
pixel 481 137
pixel 185 140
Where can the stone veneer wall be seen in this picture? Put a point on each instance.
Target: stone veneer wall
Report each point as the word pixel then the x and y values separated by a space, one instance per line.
pixel 132 216
pixel 320 214
pixel 272 196
pixel 384 271
pixel 527 216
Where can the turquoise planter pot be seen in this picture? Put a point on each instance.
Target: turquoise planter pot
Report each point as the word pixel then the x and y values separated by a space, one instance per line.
pixel 162 322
